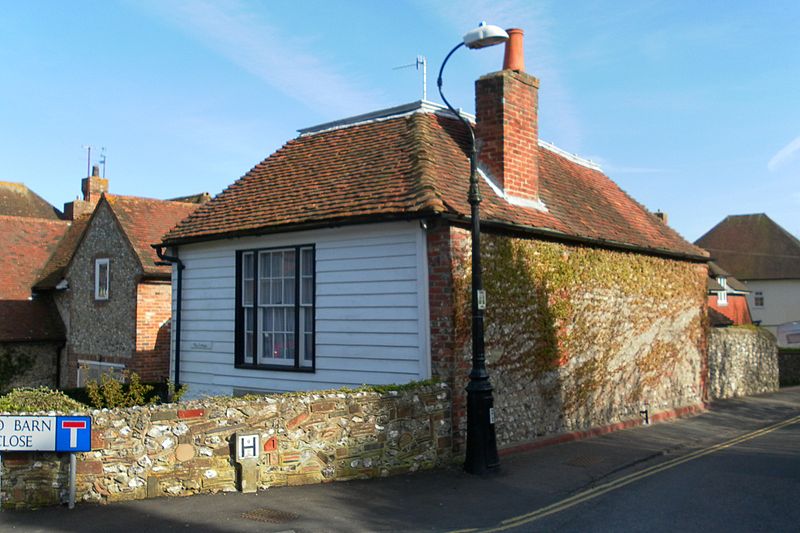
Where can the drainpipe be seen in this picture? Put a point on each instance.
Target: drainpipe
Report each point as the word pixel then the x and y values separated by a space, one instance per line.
pixel 167 260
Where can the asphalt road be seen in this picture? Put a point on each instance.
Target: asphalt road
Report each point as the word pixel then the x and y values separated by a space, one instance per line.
pixel 733 468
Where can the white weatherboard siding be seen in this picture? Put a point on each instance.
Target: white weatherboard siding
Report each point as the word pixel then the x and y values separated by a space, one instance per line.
pixel 781 301
pixel 371 310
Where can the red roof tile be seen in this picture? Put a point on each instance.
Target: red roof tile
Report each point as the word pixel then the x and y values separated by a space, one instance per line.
pixel 53 271
pixel 26 244
pixel 144 222
pixel 16 199
pixel 753 247
pixel 417 165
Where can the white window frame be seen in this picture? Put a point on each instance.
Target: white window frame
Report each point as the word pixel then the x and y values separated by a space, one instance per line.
pixel 758 295
pixel 86 367
pixel 102 292
pixel 722 298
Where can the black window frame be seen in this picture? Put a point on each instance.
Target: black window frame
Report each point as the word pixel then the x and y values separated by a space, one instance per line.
pixel 239 341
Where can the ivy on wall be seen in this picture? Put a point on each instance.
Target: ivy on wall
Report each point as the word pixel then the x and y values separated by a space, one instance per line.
pixel 586 331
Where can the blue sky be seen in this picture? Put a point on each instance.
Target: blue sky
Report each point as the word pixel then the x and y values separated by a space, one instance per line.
pixel 691 107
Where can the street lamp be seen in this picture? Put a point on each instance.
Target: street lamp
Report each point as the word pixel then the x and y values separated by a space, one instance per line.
pixel 481 454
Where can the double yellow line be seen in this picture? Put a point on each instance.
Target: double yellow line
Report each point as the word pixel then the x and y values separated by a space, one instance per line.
pixel 599 490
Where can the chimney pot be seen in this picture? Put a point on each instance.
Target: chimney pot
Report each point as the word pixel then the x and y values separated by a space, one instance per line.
pixel 514 58
pixel 95 171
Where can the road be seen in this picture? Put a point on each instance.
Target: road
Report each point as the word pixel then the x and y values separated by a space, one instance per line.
pixel 735 467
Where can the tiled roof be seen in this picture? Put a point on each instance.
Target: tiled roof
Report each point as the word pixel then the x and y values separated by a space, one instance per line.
pixel 144 221
pixel 26 244
pixel 753 247
pixel 717 319
pixel 53 271
pixel 29 320
pixel 715 271
pixel 18 200
pixel 416 165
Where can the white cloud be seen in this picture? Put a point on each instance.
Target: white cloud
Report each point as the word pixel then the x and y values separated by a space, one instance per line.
pixel 784 155
pixel 242 37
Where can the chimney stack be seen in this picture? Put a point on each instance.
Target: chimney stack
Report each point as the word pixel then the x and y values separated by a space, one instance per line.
pixel 92 188
pixel 506 108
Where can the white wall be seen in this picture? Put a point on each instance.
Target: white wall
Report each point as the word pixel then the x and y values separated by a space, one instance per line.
pixel 781 302
pixel 371 310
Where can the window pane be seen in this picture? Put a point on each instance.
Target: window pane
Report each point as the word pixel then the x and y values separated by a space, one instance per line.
pixel 288 263
pixel 248 347
pixel 248 266
pixel 277 264
pixel 263 265
pixel 289 319
pixel 288 291
pixel 277 292
pixel 267 349
pixel 279 320
pixel 289 346
pixel 306 291
pixel 307 262
pixel 308 347
pixel 247 292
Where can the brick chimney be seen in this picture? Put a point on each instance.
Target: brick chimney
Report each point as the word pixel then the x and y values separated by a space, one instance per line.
pixel 506 108
pixel 92 188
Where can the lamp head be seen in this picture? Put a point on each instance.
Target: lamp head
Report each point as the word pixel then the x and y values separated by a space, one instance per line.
pixel 485 35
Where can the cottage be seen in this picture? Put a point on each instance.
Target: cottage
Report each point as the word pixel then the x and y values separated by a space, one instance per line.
pixel 727 298
pixel 110 290
pixel 766 258
pixel 343 258
pixel 31 332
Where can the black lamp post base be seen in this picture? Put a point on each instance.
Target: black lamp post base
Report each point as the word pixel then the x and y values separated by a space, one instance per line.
pixel 481 457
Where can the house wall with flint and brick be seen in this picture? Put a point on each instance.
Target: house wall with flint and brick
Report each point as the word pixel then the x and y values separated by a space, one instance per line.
pixel 577 337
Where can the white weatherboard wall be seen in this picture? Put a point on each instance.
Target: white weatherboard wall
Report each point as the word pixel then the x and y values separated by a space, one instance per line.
pixel 781 302
pixel 372 323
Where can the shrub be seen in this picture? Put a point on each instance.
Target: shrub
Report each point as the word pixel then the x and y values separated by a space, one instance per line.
pixel 112 393
pixel 35 400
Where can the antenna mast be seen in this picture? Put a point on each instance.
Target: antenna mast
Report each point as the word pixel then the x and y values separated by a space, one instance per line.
pixel 88 149
pixel 103 160
pixel 421 61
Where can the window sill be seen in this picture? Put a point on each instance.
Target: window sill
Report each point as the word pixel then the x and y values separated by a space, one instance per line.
pixel 280 368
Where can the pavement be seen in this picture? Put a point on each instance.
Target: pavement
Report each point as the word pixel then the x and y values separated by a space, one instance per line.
pixel 546 481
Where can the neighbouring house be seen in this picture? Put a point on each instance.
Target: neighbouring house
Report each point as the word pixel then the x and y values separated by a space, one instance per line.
pixel 110 290
pixel 727 298
pixel 344 258
pixel 766 258
pixel 31 332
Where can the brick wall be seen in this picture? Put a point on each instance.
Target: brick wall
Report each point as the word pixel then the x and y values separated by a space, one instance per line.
pixel 153 313
pixel 179 450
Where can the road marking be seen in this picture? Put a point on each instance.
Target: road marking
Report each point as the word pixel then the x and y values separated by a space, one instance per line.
pixel 599 490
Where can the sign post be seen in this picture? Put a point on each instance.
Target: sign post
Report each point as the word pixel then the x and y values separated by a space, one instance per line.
pixel 48 434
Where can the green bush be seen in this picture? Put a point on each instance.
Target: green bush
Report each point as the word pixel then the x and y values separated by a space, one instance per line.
pixel 115 393
pixel 36 400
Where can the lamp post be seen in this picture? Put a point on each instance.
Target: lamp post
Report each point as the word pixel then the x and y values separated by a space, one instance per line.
pixel 481 454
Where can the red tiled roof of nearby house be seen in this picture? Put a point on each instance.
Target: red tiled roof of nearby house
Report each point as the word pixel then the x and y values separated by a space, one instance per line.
pixel 717 319
pixel 18 200
pixel 29 320
pixel 753 247
pixel 417 165
pixel 26 244
pixel 144 221
pixel 53 271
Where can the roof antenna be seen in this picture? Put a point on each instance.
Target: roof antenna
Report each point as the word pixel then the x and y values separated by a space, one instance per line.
pixel 88 149
pixel 421 60
pixel 103 160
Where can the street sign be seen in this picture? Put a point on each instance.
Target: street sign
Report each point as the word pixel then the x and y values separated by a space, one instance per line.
pixel 45 433
pixel 247 447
